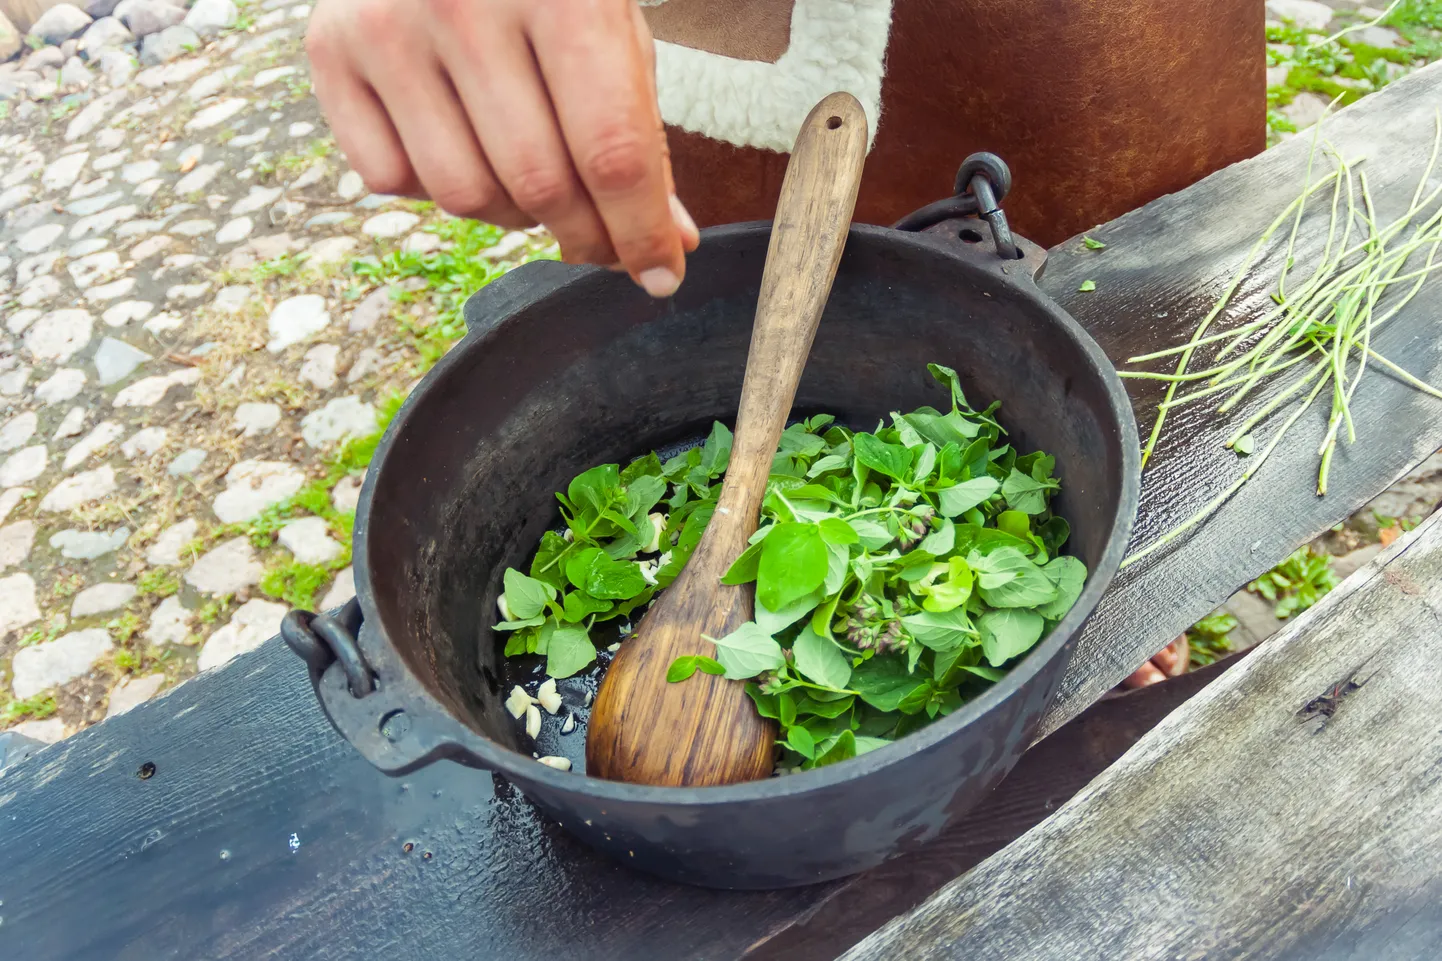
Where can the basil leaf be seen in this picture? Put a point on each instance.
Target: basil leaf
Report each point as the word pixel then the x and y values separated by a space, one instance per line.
pixel 716 452
pixel 940 631
pixel 568 651
pixel 941 429
pixel 865 744
pixel 786 706
pixel 838 563
pixel 1005 634
pixel 940 542
pixel 799 740
pixel 525 596
pixel 882 682
pixel 836 708
pixel 579 605
pixel 820 660
pixel 767 705
pixel 595 490
pixel 1008 579
pixel 962 497
pixel 947 378
pixel 648 466
pixel 874 536
pixel 916 698
pixel 683 667
pixel 743 569
pixel 796 439
pixel 516 643
pixel 517 625
pixel 840 747
pixel 925 463
pixel 1068 575
pixel 1024 493
pixel 834 530
pixel 1053 533
pixel 793 564
pixel 549 564
pixel 747 651
pixel 773 622
pixel 598 575
pixel 828 463
pixel 893 460
pixel 1014 523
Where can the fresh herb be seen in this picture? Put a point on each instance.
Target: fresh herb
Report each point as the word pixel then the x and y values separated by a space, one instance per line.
pixel 1297 583
pixel 1093 244
pixel 1318 335
pixel 899 572
pixel 1087 286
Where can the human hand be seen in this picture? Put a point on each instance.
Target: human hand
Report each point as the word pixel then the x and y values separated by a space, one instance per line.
pixel 516 112
pixel 1170 661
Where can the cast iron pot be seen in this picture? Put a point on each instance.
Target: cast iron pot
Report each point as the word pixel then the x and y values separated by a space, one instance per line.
pixel 564 368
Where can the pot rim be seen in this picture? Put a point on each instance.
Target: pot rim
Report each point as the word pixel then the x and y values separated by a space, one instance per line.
pixel 490 755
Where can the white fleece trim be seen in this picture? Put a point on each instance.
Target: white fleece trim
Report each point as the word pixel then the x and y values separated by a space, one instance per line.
pixel 835 45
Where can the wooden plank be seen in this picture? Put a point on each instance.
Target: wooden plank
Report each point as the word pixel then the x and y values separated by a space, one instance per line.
pixel 1163 268
pixel 244 757
pixel 1247 823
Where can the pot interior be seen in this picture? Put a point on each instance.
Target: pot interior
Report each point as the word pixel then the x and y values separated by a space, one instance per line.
pixel 597 372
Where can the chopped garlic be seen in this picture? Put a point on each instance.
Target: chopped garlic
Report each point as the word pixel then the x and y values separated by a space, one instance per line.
pixel 502 608
pixel 568 535
pixel 569 724
pixel 518 702
pixel 548 697
pixel 658 524
pixel 589 697
pixel 648 571
pixel 533 722
pixel 559 763
pixel 614 647
pixel 663 560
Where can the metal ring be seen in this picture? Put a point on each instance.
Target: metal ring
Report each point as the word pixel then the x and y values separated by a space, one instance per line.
pixel 988 165
pixel 296 632
pixel 342 644
pixel 321 640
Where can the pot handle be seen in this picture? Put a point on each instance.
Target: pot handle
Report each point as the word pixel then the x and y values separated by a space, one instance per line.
pixel 518 289
pixel 368 701
pixel 982 182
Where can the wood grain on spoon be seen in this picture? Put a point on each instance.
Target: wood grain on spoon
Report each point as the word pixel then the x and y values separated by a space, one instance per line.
pixel 705 730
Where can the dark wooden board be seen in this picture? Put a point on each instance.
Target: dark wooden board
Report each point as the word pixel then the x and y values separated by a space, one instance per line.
pixel 97 863
pixel 1245 824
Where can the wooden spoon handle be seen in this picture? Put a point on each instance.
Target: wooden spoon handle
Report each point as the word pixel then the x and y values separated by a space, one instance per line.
pixel 807 237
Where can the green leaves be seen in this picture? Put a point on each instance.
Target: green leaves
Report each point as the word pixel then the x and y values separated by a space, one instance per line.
pixel 959 498
pixel 893 460
pixel 684 667
pixel 747 651
pixel 1091 244
pixel 525 596
pixel 568 650
pixel 1005 634
pixel 885 684
pixel 793 564
pixel 1068 575
pixel 1025 493
pixel 819 659
pixel 944 631
pixel 1087 286
pixel 594 572
pixel 1007 578
pixel 948 379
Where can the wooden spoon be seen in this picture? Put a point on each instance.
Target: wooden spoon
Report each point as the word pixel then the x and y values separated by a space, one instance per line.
pixel 705 730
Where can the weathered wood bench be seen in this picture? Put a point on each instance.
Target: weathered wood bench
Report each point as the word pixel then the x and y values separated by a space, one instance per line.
pixel 227 820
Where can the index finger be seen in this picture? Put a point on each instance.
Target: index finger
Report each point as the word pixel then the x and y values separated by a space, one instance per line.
pixel 593 64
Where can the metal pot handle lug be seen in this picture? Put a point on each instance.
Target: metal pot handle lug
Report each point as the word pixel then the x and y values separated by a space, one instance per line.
pixel 961 220
pixel 518 289
pixel 371 708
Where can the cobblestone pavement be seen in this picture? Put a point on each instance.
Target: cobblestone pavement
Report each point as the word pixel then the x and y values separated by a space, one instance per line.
pixel 207 320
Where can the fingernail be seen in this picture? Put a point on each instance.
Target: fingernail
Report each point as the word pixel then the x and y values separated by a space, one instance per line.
pixel 659 281
pixel 682 216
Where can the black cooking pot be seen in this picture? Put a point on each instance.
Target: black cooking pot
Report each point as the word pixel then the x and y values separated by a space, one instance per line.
pixel 564 368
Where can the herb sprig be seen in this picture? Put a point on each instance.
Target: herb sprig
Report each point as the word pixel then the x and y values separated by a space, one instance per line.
pixel 898 572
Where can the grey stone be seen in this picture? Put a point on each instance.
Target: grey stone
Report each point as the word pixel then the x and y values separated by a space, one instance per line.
pixel 58 24
pixel 101 8
pixel 59 335
pixel 39 238
pixel 235 231
pixel 108 292
pixel 123 313
pixel 390 224
pixel 296 319
pixel 198 179
pixel 118 66
pixel 377 304
pixel 61 386
pixel 90 116
pixel 90 270
pixel 71 424
pixel 145 17
pixel 15 196
pixel 186 462
pixel 75 74
pixel 232 299
pixel 24 465
pixel 1375 36
pixel 1304 13
pixel 105 33
pixel 12 382
pixel 132 692
pixel 115 359
pixel 102 222
pixel 421 242
pixel 84 248
pixel 329 219
pixel 308 538
pixel 209 17
pixel 51 730
pixel 144 442
pixel 170 623
pixel 254 418
pixel 183 293
pixel 250 139
pixel 42 58
pixel 149 391
pixel 216 114
pixel 301 129
pixel 331 250
pixel 317 367
pixel 134 173
pixel 168 547
pixel 9 499
pixel 83 488
pixel 257 199
pixel 88 545
pixel 345 495
pixel 229 567
pixel 109 139
pixel 21 319
pixel 341 590
pixel 251 625
pixel 265 78
pixel 43 666
pixel 350 186
pixel 17 603
pixel 41 290
pixel 90 189
pixel 101 437
pixel 15 542
pixel 376 201
pixel 150 247
pixel 507 245
pixel 338 419
pixel 254 485
pixel 100 599
pixel 17 430
pixel 158 325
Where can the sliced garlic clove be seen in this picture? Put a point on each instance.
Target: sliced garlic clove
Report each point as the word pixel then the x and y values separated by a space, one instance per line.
pixel 559 763
pixel 589 697
pixel 549 697
pixel 658 524
pixel 614 647
pixel 518 702
pixel 502 608
pixel 533 722
pixel 569 724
